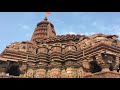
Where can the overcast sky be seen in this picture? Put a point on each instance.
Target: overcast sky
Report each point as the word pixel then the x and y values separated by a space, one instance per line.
pixel 19 26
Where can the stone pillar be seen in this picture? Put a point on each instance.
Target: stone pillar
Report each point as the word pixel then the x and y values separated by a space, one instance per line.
pixel 40 72
pixel 99 59
pixel 105 67
pixel 71 72
pixel 116 65
pixel 80 72
pixel 86 67
pixel 71 69
pixel 23 68
pixel 54 70
pixel 63 73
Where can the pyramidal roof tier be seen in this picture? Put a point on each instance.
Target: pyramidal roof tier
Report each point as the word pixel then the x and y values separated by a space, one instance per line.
pixel 44 29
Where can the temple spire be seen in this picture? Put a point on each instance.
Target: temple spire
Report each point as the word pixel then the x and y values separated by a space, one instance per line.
pixel 44 29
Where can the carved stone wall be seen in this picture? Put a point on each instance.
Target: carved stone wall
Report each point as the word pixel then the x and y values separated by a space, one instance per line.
pixel 104 75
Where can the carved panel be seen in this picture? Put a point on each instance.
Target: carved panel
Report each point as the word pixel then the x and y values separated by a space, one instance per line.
pixel 80 72
pixel 40 73
pixel 17 46
pixel 55 73
pixel 55 49
pixel 30 73
pixel 30 48
pixel 70 48
pixel 42 50
pixel 63 73
pixel 86 64
pixel 71 72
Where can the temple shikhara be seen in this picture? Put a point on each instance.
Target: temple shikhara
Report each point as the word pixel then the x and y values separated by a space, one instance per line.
pixel 48 55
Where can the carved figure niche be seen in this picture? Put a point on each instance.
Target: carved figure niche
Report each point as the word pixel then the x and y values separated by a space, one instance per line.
pixel 30 73
pixel 55 49
pixel 94 65
pixel 109 60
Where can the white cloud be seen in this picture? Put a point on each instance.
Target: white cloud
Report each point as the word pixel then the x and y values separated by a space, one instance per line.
pixel 67 30
pixel 25 27
pixel 88 33
pixel 57 21
pixel 29 35
pixel 94 23
pixel 71 33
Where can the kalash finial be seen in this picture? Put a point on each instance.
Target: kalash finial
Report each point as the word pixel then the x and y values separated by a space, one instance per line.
pixel 45 19
pixel 46 13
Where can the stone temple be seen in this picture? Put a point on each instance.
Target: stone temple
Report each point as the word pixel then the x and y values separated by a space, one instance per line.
pixel 48 55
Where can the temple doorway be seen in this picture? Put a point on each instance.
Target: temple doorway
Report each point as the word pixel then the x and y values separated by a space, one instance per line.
pixel 13 70
pixel 94 67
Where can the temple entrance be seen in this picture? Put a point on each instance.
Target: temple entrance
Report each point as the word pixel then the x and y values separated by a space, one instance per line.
pixel 13 70
pixel 94 67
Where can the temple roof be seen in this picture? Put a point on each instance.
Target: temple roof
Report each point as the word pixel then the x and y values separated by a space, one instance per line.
pixel 65 37
pixel 45 21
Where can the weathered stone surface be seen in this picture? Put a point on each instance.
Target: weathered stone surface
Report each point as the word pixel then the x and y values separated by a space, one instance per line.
pixel 104 75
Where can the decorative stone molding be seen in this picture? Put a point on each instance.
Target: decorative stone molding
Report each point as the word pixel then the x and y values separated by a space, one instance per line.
pixel 55 64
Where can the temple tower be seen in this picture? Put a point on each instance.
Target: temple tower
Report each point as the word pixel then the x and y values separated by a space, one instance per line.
pixel 44 30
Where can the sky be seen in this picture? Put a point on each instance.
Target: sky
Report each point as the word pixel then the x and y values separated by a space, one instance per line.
pixel 19 26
